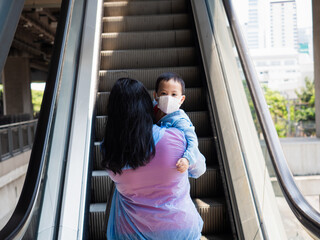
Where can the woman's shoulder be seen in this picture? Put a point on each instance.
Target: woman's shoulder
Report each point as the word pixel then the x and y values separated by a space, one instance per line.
pixel 158 133
pixel 171 133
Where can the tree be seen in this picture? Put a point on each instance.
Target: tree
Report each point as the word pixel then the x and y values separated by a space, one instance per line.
pixel 306 102
pixel 277 106
pixel 278 109
pixel 305 113
pixel 36 100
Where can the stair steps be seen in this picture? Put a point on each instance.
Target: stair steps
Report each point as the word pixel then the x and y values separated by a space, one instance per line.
pixel 125 8
pixel 142 39
pixel 145 23
pixel 148 75
pixel 145 40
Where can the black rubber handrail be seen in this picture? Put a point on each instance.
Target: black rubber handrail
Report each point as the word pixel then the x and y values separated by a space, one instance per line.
pixel 304 212
pixel 33 177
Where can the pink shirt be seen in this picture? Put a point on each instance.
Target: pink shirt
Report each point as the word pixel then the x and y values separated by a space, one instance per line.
pixel 153 201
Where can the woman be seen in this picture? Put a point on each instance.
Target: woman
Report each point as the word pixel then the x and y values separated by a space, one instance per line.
pixel 151 199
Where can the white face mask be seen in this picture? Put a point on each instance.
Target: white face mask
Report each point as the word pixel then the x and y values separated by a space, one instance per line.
pixel 168 104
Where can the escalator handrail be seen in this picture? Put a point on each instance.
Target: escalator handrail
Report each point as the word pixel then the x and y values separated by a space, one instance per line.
pixel 29 194
pixel 304 212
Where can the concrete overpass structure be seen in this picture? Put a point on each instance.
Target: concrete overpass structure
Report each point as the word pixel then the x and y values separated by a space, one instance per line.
pixel 29 56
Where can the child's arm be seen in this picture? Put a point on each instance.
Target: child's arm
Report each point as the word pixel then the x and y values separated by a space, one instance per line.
pixel 192 154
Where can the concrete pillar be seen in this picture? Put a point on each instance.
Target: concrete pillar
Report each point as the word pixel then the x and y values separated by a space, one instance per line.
pixel 16 86
pixel 316 50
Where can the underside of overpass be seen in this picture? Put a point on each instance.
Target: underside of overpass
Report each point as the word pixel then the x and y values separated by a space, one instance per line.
pixel 29 56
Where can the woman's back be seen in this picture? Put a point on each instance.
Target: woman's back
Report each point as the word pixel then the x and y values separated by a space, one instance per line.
pixel 153 201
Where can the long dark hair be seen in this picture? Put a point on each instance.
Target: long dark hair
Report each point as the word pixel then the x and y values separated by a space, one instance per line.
pixel 128 139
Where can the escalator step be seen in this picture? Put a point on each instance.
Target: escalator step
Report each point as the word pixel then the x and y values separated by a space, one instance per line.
pixel 143 40
pixel 195 100
pixel 133 0
pixel 148 76
pixel 217 237
pixel 208 185
pixel 147 58
pixel 201 122
pixel 199 119
pixel 100 186
pixel 122 8
pixel 214 215
pixel 212 212
pixel 145 23
pixel 206 147
pixel 96 221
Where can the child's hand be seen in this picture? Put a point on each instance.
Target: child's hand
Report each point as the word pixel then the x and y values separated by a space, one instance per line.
pixel 182 165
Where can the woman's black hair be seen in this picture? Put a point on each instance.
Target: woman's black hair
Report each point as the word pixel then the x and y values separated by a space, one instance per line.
pixel 170 75
pixel 128 139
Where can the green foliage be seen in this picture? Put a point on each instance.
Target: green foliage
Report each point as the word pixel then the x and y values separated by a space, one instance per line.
pixel 306 102
pixel 36 100
pixel 278 109
pixel 301 110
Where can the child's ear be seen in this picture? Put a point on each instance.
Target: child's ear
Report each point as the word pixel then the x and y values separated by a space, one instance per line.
pixel 154 95
pixel 183 97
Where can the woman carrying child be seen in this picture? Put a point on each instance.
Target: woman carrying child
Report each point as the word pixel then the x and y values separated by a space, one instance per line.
pixel 151 199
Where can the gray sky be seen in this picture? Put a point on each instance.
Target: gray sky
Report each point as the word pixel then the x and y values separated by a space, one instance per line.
pixel 304 13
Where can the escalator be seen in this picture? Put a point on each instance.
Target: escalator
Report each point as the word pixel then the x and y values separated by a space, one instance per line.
pixel 66 190
pixel 141 40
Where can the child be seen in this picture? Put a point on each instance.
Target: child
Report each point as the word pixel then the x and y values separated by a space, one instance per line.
pixel 169 95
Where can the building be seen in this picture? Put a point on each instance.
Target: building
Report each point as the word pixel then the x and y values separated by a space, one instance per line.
pixel 283 31
pixel 257 22
pixel 282 58
pixel 279 69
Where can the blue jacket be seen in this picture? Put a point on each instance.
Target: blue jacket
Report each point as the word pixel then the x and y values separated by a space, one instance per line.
pixel 179 119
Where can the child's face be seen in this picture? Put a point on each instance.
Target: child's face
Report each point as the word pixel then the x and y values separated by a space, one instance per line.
pixel 171 88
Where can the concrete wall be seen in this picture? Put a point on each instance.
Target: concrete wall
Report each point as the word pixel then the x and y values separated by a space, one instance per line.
pixel 302 154
pixel 12 175
pixel 16 85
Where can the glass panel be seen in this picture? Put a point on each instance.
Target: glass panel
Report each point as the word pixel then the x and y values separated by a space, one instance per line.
pixel 228 54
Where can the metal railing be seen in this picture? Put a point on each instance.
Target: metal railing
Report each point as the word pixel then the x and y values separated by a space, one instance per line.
pixel 16 138
pixel 304 212
pixel 25 218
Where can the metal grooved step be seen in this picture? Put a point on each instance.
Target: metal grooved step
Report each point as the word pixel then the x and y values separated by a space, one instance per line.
pixel 96 221
pixel 145 58
pixel 123 8
pixel 213 213
pixel 148 76
pixel 143 40
pixel 145 23
pixel 217 237
pixel 199 119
